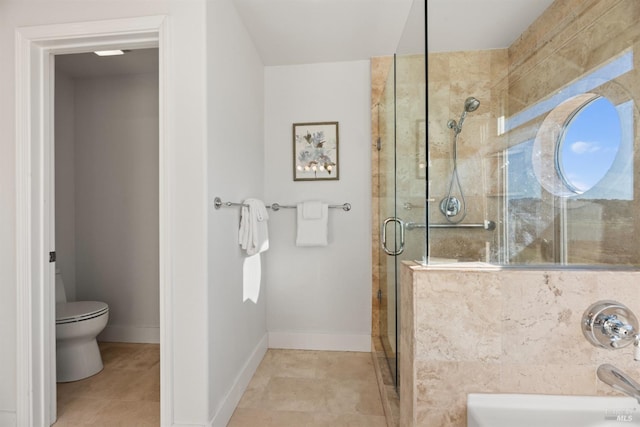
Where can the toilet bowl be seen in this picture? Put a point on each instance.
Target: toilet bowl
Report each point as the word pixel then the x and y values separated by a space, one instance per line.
pixel 77 325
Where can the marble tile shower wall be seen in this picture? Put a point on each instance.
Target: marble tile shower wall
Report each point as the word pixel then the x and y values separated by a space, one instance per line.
pixel 571 39
pixel 454 76
pixel 568 42
pixel 410 129
pixel 501 331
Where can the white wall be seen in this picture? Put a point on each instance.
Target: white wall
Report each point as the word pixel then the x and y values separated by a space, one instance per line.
pixel 188 295
pixel 320 297
pixel 65 182
pixel 116 202
pixel 237 327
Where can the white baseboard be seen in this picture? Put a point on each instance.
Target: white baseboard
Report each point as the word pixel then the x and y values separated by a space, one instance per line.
pixel 222 417
pixel 135 334
pixel 8 419
pixel 328 342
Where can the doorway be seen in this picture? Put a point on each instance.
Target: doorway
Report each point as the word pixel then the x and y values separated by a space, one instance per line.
pixel 36 46
pixel 106 222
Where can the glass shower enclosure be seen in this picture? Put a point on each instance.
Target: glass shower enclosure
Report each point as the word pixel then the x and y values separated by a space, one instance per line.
pixel 522 154
pixel 401 175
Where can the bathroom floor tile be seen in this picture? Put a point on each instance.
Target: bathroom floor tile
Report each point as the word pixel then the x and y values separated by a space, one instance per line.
pixel 312 388
pixel 125 393
pixel 290 388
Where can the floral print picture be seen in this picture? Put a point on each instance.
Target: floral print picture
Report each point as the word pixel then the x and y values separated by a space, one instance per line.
pixel 315 151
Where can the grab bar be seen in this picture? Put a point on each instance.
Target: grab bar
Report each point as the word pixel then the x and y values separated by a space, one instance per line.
pixel 487 225
pixel 218 203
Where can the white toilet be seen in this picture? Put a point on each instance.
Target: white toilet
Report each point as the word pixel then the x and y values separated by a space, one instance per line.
pixel 77 325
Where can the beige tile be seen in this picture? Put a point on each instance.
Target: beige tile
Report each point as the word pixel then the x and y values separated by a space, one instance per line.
pixel 452 416
pixel 288 363
pixel 354 397
pixel 244 417
pixel 442 384
pixel 79 410
pixel 131 413
pixel 350 420
pixel 125 393
pixel 290 394
pixel 467 311
pixel 547 379
pixel 346 366
pixel 542 311
pixel 250 417
pixel 312 388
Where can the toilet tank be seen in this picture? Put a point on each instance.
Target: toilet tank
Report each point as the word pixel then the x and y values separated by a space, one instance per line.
pixel 61 295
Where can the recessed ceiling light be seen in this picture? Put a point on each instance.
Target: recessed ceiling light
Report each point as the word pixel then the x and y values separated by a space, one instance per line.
pixel 109 52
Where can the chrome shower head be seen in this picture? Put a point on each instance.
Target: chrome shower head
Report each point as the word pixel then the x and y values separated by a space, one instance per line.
pixel 471 104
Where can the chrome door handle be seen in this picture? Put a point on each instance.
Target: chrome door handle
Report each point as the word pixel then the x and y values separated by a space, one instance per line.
pixel 383 236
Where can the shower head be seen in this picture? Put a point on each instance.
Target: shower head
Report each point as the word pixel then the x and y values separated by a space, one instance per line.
pixel 471 104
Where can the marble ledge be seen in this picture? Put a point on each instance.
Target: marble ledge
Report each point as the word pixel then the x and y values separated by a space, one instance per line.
pixel 481 266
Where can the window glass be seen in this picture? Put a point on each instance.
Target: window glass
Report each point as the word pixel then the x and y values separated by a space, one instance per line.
pixel 589 145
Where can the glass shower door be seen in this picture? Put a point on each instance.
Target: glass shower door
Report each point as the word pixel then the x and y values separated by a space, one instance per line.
pixel 402 189
pixel 389 231
pixel 401 177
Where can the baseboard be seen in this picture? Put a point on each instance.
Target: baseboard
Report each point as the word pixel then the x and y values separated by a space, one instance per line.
pixel 135 334
pixel 222 417
pixel 328 342
pixel 8 419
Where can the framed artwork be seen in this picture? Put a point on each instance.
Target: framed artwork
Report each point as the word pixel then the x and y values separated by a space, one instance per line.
pixel 315 151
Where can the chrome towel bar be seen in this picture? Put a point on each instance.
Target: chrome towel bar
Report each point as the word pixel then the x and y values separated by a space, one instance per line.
pixel 218 203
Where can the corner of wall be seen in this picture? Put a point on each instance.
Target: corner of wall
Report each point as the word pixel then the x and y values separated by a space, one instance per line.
pixel 231 400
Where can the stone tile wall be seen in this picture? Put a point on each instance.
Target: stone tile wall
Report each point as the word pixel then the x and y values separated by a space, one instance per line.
pixel 503 331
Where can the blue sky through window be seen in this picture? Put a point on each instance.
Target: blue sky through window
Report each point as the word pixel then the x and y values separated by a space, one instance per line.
pixel 590 144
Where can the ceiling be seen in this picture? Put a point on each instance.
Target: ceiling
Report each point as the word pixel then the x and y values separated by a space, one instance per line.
pixel 288 32
pixel 79 65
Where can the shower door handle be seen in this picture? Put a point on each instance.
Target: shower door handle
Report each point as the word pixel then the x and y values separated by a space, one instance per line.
pixel 383 236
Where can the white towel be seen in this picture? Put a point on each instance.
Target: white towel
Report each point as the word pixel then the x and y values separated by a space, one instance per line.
pixel 312 228
pixel 312 209
pixel 253 235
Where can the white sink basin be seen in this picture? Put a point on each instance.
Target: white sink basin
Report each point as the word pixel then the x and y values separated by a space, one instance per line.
pixel 538 410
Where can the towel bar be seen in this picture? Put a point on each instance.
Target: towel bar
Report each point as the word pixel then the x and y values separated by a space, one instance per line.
pixel 218 203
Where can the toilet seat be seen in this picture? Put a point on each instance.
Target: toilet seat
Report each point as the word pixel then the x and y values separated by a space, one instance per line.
pixel 77 311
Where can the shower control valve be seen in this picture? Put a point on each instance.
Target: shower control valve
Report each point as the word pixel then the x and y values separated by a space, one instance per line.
pixel 450 206
pixel 609 324
pixel 616 329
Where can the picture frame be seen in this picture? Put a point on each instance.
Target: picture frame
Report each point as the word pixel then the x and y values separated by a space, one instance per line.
pixel 315 151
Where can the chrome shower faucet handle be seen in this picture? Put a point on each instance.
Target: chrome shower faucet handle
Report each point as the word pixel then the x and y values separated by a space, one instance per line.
pixel 610 324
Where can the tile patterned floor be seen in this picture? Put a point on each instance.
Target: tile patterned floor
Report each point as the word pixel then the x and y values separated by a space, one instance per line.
pixel 125 394
pixel 290 388
pixel 312 389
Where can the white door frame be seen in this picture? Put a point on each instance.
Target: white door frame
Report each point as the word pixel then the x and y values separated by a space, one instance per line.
pixel 35 46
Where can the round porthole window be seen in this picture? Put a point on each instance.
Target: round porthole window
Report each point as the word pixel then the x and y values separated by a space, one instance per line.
pixel 588 145
pixel 577 145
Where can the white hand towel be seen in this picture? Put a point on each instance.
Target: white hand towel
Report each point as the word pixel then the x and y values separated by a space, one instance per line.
pixel 312 231
pixel 312 209
pixel 253 235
